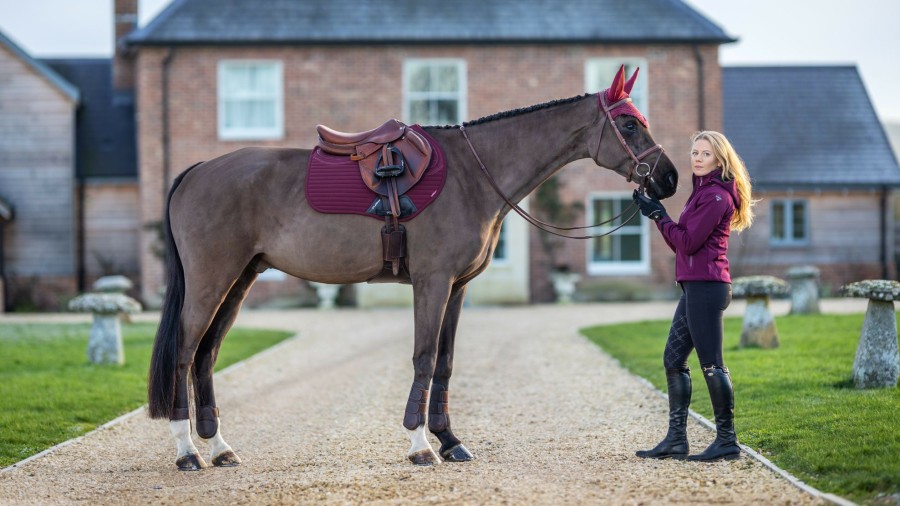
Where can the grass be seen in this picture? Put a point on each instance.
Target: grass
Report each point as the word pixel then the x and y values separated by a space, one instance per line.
pixel 795 404
pixel 49 393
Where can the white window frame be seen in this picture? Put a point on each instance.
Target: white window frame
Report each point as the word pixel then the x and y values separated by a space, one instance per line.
pixel 789 240
pixel 627 268
pixel 461 96
pixel 276 132
pixel 593 82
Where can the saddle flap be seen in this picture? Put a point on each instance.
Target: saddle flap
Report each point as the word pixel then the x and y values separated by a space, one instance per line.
pixel 416 153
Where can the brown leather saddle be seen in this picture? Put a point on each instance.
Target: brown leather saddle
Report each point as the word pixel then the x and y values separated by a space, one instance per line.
pixel 392 159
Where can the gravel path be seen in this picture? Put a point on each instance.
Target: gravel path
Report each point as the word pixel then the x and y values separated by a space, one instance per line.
pixel 550 418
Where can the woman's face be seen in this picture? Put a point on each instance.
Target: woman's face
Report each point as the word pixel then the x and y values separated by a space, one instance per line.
pixel 703 159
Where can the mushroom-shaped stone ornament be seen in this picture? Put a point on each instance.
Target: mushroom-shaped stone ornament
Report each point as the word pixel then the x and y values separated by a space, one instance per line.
pixel 112 284
pixel 759 325
pixel 804 282
pixel 105 344
pixel 877 362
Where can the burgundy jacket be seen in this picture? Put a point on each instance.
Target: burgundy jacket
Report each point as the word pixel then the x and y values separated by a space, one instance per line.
pixel 700 238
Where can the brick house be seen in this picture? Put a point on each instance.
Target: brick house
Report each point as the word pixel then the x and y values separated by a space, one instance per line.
pixel 211 77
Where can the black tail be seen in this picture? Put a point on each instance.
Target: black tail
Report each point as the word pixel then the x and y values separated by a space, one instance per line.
pixel 161 382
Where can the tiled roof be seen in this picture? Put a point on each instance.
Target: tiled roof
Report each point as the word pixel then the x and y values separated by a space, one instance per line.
pixel 104 130
pixel 806 126
pixel 426 21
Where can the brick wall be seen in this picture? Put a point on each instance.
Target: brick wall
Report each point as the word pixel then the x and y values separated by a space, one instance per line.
pixel 354 89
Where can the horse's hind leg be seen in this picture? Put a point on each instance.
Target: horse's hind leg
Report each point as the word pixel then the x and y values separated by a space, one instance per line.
pixel 202 299
pixel 452 449
pixel 208 425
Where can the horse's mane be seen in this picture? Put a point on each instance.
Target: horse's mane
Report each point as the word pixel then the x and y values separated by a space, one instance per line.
pixel 522 110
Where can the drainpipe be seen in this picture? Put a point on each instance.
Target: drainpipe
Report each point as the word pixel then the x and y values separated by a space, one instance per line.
pixel 165 125
pixel 884 209
pixel 7 307
pixel 81 271
pixel 701 83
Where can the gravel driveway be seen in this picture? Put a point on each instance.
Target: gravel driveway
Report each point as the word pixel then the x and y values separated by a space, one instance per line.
pixel 550 418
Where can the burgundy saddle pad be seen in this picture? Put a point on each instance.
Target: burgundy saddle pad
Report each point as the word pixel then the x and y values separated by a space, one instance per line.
pixel 334 186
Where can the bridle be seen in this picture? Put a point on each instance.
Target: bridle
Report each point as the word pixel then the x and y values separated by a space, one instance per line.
pixel 646 176
pixel 636 168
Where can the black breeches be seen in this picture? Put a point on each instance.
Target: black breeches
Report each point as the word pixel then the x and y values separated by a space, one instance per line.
pixel 697 324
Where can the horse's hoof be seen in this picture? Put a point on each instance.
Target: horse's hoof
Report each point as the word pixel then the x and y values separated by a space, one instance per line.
pixel 226 459
pixel 425 457
pixel 192 462
pixel 458 453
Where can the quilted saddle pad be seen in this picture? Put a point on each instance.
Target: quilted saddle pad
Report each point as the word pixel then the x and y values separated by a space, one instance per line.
pixel 334 186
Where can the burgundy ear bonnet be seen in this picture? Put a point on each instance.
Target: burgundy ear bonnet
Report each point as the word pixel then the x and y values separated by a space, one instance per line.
pixel 619 90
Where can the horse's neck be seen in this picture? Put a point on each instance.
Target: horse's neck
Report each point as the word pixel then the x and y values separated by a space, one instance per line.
pixel 523 151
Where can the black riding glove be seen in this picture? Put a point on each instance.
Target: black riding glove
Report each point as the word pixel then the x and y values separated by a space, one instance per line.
pixel 651 207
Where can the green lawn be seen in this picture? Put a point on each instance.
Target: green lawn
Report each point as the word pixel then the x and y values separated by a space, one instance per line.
pixel 795 404
pixel 49 393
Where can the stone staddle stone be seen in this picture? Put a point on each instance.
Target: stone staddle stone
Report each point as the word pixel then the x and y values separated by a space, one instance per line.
pixel 759 325
pixel 804 289
pixel 877 361
pixel 105 344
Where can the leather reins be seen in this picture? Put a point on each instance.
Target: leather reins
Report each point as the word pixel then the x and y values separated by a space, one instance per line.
pixel 635 168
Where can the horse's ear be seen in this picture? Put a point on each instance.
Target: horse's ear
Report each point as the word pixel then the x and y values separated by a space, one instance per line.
pixel 616 90
pixel 630 84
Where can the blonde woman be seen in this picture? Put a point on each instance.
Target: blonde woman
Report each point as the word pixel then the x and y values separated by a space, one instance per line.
pixel 719 203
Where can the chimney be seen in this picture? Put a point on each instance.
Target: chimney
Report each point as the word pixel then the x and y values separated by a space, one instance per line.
pixel 125 21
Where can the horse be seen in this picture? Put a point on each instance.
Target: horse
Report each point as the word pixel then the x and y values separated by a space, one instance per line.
pixel 230 218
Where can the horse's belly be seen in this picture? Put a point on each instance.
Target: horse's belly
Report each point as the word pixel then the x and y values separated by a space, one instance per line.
pixel 329 253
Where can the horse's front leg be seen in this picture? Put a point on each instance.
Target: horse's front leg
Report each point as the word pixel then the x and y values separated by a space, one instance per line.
pixel 430 302
pixel 452 449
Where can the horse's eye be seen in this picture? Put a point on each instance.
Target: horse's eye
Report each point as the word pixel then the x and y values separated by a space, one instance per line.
pixel 631 126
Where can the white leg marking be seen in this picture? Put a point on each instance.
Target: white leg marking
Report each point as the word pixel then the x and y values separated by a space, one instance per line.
pixel 217 445
pixel 418 440
pixel 181 430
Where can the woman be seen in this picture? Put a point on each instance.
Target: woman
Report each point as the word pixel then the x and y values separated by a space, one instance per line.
pixel 720 202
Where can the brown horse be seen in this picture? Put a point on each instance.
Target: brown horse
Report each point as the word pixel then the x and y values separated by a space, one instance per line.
pixel 232 217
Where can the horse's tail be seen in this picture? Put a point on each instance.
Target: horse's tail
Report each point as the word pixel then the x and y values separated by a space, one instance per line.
pixel 163 361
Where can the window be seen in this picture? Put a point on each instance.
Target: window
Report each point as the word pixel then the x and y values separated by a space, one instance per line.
pixel 599 73
pixel 434 91
pixel 625 251
pixel 790 223
pixel 251 105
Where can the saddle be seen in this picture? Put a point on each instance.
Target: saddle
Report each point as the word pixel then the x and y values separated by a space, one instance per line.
pixel 392 159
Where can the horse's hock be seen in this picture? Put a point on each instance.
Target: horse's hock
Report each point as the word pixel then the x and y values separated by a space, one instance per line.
pixel 804 281
pixel 759 325
pixel 877 362
pixel 105 344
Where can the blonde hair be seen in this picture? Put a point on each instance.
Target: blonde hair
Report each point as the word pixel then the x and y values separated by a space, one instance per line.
pixel 732 168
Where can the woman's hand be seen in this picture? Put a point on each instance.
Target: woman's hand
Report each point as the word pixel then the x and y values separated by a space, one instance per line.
pixel 650 207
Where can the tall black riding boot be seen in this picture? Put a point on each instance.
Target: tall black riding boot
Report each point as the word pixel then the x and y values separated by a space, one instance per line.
pixel 722 396
pixel 675 445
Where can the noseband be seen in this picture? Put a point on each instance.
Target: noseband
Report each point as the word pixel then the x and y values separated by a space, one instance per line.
pixel 637 159
pixel 636 168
